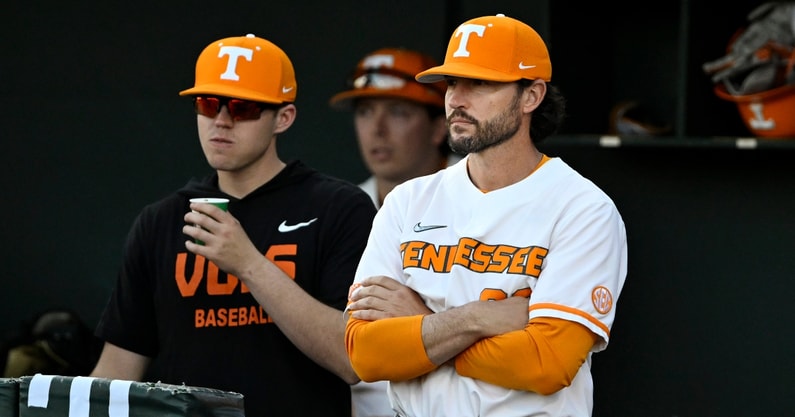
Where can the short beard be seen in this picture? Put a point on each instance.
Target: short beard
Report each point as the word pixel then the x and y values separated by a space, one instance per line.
pixel 488 133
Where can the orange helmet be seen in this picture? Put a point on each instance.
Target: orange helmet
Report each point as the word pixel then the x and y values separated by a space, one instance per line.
pixel 765 90
pixel 758 71
pixel 770 113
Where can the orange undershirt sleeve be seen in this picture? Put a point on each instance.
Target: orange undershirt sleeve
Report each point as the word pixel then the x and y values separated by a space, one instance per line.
pixel 543 358
pixel 388 349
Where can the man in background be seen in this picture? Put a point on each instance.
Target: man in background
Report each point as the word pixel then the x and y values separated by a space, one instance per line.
pixel 399 122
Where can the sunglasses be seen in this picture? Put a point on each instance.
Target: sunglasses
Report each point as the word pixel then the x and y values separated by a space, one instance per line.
pixel 388 79
pixel 238 109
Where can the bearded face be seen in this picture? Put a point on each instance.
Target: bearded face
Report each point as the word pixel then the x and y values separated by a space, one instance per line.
pixel 487 133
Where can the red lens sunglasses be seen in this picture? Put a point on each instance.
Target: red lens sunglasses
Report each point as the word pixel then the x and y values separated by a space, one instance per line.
pixel 238 109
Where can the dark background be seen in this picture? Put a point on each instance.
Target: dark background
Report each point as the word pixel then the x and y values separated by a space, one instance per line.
pixel 93 129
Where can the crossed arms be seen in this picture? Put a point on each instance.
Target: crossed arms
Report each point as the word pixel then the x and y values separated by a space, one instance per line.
pixel 392 335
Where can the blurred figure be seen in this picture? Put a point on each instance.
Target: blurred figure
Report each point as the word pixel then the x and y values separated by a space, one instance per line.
pixel 399 122
pixel 55 342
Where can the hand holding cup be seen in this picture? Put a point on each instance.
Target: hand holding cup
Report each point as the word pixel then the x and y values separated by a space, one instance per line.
pixel 221 203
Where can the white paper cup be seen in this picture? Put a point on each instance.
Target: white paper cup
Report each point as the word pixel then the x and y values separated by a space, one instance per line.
pixel 222 203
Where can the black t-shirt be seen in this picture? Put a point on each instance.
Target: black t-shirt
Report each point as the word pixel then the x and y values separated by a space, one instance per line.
pixel 203 328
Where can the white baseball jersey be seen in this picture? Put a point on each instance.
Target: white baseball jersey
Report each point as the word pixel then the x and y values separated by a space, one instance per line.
pixel 554 232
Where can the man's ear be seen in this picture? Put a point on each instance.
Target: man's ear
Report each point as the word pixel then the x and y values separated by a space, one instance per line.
pixel 533 95
pixel 284 118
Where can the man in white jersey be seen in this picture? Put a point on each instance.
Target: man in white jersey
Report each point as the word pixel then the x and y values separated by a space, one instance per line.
pixel 518 260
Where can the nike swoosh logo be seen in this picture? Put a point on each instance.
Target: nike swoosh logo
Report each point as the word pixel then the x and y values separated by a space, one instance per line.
pixel 286 90
pixel 418 228
pixel 284 227
pixel 524 67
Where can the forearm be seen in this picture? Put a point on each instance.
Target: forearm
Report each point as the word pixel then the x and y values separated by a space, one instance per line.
pixel 118 363
pixel 315 328
pixel 544 357
pixel 448 333
pixel 388 349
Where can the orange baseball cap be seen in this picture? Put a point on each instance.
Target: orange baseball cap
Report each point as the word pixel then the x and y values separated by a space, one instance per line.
pixel 493 48
pixel 245 67
pixel 389 72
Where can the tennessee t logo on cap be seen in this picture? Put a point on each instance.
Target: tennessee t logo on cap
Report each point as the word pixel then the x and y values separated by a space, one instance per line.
pixel 245 67
pixel 463 33
pixel 493 48
pixel 234 53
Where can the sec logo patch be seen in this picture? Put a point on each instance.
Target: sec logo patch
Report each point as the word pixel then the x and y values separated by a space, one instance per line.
pixel 602 299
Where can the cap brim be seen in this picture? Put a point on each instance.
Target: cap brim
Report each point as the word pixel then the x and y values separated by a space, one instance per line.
pixel 463 70
pixel 227 91
pixel 344 100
